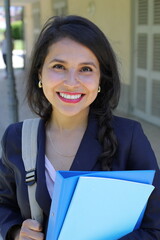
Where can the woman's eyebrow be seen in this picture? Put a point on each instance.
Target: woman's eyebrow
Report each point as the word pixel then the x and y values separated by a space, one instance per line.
pixel 89 63
pixel 82 63
pixel 57 60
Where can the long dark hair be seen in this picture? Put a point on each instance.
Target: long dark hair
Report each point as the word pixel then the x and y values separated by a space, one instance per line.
pixel 87 33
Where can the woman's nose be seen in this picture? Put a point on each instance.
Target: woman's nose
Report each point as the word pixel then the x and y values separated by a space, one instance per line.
pixel 71 79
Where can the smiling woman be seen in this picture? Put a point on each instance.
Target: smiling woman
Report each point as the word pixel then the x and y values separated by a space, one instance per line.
pixel 74 86
pixel 70 78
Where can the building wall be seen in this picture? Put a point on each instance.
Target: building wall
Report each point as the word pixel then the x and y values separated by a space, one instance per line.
pixel 28 30
pixel 46 8
pixel 35 16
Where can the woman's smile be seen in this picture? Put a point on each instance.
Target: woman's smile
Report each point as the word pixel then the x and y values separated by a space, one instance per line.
pixel 69 97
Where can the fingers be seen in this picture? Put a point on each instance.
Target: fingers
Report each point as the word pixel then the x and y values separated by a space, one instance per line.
pixel 31 229
pixel 32 224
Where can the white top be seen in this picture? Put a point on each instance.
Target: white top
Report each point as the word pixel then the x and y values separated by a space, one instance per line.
pixel 50 173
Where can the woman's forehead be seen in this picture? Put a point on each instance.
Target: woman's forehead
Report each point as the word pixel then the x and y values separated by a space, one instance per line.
pixel 67 48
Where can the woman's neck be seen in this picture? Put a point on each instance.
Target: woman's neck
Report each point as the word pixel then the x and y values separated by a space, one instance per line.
pixel 61 123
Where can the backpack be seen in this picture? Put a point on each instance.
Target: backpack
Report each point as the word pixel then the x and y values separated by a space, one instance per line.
pixel 29 155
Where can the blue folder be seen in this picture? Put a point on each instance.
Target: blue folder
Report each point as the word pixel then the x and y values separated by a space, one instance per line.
pixel 98 205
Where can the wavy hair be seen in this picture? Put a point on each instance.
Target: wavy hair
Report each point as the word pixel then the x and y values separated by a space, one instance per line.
pixel 87 33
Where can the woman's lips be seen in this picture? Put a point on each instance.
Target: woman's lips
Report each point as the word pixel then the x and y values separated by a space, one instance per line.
pixel 70 97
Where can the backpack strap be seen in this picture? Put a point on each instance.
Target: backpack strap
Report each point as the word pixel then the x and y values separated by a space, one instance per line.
pixel 29 155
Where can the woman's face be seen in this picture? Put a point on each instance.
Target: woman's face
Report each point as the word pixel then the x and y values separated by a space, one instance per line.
pixel 70 77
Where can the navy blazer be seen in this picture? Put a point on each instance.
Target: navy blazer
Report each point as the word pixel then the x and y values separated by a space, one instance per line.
pixel 134 153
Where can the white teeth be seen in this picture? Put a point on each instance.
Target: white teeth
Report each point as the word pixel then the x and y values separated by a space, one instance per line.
pixel 67 96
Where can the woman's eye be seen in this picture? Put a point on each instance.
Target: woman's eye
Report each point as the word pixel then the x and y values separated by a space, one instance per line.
pixel 86 69
pixel 58 66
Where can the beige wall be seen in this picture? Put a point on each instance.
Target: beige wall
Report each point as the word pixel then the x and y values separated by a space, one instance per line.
pixel 114 18
pixel 46 10
pixel 28 23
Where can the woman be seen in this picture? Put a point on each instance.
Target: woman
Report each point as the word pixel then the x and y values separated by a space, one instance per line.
pixel 73 86
pixel 5 51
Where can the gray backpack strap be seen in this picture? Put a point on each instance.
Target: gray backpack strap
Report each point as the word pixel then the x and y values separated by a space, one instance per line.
pixel 29 155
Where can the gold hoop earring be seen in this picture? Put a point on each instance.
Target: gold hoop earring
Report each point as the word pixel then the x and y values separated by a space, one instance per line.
pixel 99 89
pixel 40 84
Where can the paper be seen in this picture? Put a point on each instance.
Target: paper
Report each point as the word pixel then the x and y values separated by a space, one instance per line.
pixel 98 205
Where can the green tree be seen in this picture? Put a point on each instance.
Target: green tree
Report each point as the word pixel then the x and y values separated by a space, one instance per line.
pixel 17 30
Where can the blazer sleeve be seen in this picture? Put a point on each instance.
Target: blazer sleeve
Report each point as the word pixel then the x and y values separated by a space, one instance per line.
pixel 141 157
pixel 9 211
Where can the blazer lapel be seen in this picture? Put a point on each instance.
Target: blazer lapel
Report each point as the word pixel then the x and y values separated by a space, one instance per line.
pixel 89 149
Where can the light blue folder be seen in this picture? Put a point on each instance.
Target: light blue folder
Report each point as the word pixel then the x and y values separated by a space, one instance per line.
pixel 98 205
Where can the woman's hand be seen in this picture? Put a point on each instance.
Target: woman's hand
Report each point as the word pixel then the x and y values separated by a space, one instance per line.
pixel 30 229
